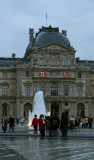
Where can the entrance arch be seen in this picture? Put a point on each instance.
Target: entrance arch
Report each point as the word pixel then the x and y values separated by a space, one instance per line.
pixel 81 110
pixel 27 107
pixel 54 108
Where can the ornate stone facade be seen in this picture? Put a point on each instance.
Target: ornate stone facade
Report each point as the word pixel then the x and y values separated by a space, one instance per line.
pixel 49 65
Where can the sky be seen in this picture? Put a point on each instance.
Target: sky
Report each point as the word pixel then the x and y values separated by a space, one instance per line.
pixel 75 16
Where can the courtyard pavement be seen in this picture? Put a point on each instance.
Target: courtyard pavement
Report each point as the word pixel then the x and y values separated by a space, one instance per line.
pixel 24 130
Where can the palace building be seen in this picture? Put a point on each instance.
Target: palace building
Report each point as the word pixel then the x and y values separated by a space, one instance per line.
pixel 49 65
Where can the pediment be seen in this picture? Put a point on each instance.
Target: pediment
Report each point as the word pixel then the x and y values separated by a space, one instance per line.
pixel 53 46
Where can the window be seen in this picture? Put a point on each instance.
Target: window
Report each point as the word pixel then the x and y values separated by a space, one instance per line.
pixel 27 73
pixel 65 60
pixel 54 89
pixel 65 74
pixel 66 90
pixel 4 75
pixel 79 75
pixel 27 90
pixel 4 90
pixel 42 61
pixel 79 90
pixel 53 60
pixel 5 109
pixel 42 88
pixel 42 74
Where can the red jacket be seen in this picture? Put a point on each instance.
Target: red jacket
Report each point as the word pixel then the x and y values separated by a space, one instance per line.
pixel 41 125
pixel 35 121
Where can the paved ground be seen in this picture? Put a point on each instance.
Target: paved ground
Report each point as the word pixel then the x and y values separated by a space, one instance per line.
pixel 28 131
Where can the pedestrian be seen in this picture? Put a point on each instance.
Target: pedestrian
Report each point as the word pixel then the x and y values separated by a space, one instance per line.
pixel 83 121
pixel 22 121
pixel 35 123
pixel 42 125
pixel 17 121
pixel 90 120
pixel 64 124
pixel 11 124
pixel 4 124
pixel 54 125
pixel 72 122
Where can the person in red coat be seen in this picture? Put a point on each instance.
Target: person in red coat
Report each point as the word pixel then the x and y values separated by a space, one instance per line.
pixel 42 125
pixel 35 123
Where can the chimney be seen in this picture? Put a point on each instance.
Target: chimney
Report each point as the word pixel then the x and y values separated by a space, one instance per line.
pixel 31 32
pixel 13 55
pixel 64 32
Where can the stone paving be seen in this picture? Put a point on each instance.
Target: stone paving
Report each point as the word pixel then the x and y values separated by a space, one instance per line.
pixel 23 144
pixel 28 131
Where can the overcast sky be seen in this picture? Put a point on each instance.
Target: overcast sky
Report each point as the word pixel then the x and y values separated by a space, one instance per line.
pixel 75 16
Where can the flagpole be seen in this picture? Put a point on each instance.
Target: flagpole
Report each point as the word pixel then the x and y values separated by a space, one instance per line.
pixel 46 19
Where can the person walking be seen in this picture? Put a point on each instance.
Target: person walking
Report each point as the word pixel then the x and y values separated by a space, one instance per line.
pixel 4 124
pixel 42 125
pixel 64 124
pixel 11 124
pixel 35 123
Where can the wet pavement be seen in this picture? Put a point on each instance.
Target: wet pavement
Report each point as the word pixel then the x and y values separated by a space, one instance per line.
pixel 23 144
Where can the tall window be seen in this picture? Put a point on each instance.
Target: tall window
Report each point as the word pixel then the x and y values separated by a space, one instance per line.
pixel 54 90
pixel 42 88
pixel 4 75
pixel 79 90
pixel 42 61
pixel 65 60
pixel 5 109
pixel 53 60
pixel 27 73
pixel 27 90
pixel 79 75
pixel 4 90
pixel 66 90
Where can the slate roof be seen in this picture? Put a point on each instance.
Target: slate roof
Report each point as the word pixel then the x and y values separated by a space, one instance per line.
pixel 9 61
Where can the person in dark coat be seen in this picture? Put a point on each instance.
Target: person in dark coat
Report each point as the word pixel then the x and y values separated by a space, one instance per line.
pixel 11 124
pixel 54 125
pixel 42 125
pixel 90 120
pixel 64 124
pixel 4 124
pixel 35 123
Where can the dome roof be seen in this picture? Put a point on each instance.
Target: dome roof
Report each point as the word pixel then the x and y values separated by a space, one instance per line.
pixel 46 37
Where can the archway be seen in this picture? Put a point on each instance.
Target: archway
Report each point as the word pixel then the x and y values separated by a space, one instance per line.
pixel 27 107
pixel 54 108
pixel 81 110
